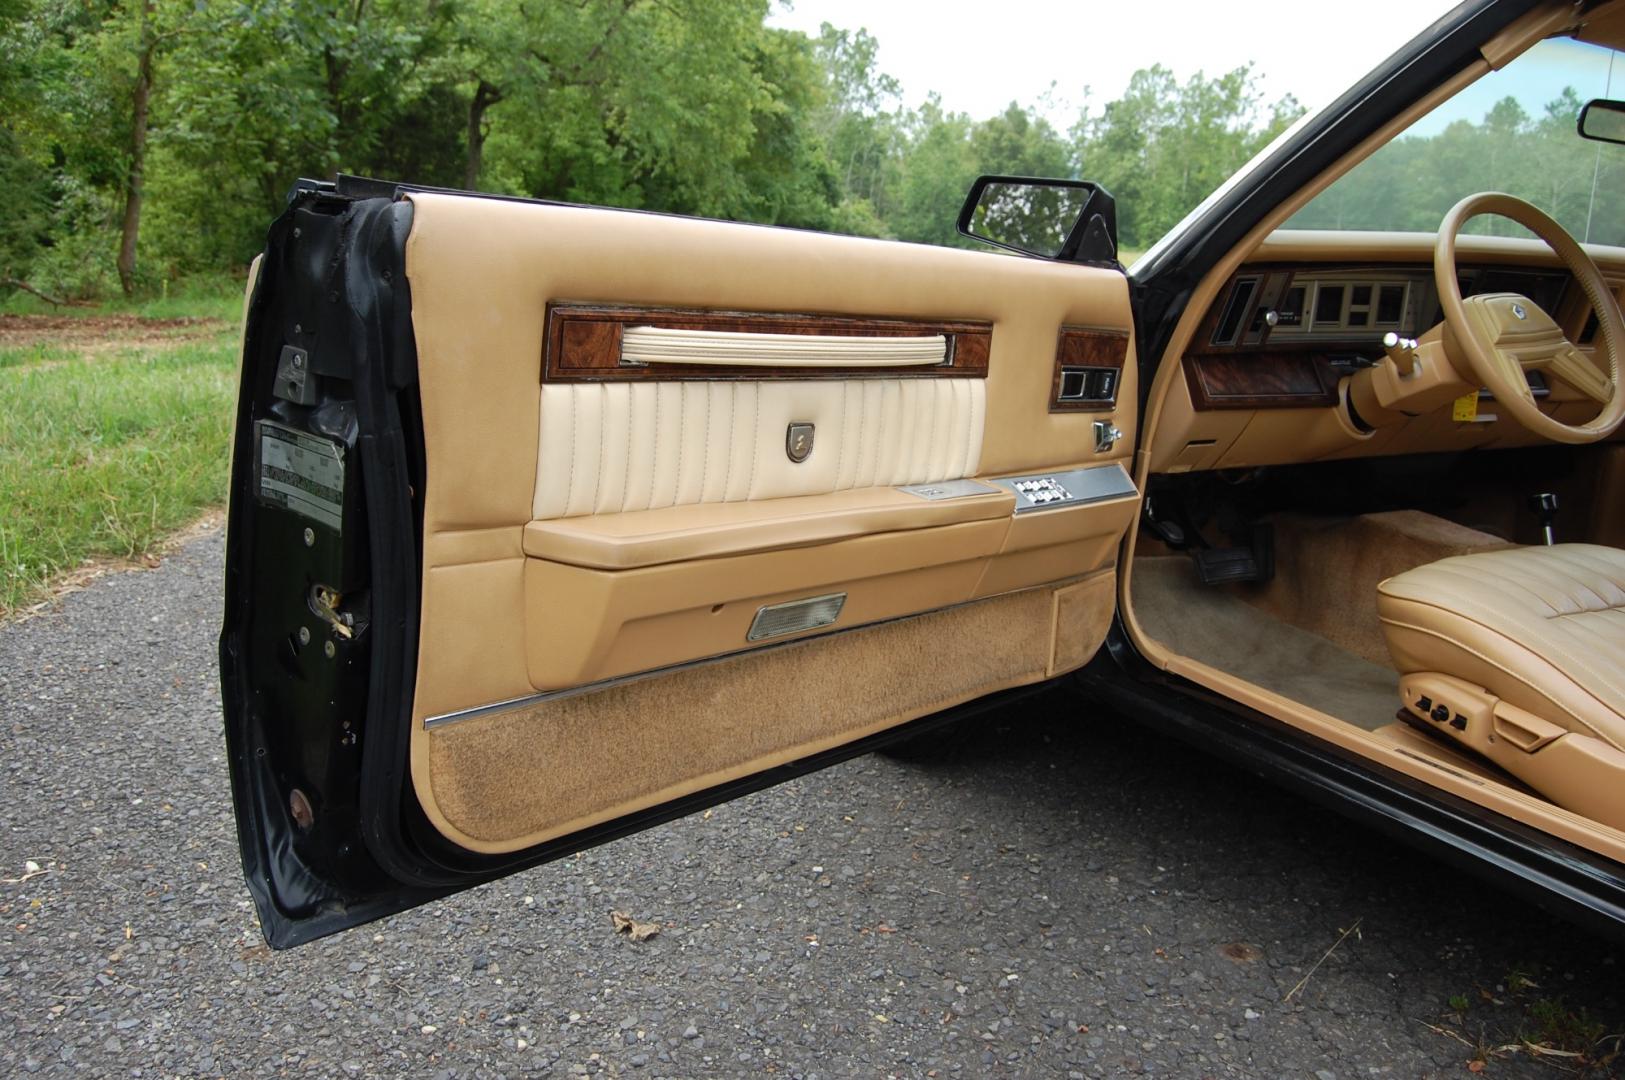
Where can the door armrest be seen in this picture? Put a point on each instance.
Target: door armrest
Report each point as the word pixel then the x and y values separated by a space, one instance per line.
pixel 710 530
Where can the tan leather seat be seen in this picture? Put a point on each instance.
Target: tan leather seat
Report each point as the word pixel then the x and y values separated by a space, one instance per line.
pixel 1520 655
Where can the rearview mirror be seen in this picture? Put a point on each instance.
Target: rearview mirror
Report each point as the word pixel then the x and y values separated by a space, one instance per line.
pixel 1066 220
pixel 1603 120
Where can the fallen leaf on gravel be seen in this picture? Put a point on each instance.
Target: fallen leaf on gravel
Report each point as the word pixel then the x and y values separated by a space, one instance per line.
pixel 1241 952
pixel 632 928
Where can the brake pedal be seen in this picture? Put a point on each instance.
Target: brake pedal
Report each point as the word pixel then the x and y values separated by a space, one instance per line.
pixel 1229 565
pixel 1221 566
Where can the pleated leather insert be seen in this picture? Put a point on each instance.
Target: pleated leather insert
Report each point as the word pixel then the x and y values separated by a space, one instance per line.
pixel 608 448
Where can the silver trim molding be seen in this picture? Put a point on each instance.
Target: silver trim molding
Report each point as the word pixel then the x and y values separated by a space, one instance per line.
pixel 1075 487
pixel 430 723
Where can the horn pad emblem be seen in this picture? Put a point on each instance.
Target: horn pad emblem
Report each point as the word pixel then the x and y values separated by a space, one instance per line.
pixel 798 442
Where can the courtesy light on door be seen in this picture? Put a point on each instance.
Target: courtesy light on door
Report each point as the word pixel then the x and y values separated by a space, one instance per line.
pixel 658 345
pixel 776 620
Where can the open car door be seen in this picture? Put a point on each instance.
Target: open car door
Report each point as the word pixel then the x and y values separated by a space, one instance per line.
pixel 549 523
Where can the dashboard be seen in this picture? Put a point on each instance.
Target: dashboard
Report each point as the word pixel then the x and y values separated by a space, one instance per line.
pixel 1265 371
pixel 1283 336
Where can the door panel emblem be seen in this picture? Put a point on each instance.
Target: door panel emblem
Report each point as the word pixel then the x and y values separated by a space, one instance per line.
pixel 798 442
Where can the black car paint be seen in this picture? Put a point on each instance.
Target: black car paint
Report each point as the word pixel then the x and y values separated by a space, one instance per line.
pixel 335 264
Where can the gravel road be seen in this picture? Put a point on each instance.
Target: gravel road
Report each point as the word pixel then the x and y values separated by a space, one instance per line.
pixel 1075 897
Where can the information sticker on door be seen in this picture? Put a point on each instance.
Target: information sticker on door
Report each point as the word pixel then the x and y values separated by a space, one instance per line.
pixel 302 472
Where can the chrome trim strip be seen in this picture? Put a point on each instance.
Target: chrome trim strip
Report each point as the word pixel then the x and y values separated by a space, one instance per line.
pixel 431 723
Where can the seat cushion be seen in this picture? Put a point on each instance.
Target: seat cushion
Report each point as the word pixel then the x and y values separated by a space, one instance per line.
pixel 1540 627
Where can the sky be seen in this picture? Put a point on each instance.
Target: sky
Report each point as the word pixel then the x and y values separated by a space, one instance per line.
pixel 982 54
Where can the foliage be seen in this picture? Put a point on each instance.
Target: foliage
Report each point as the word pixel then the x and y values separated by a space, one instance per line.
pixel 687 106
pixel 1413 181
pixel 1164 145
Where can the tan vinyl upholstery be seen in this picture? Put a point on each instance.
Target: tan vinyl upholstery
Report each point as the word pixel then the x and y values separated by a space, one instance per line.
pixel 596 550
pixel 1520 654
pixel 675 533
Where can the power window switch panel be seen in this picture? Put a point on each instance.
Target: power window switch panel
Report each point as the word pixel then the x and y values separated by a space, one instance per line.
pixel 1075 487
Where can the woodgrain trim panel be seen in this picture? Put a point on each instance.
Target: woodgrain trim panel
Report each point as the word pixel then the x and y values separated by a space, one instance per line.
pixel 1260 380
pixel 1087 346
pixel 583 344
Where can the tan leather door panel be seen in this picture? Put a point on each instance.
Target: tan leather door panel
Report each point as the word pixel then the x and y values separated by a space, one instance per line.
pixel 613 408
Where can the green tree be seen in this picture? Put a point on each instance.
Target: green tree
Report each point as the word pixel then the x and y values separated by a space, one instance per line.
pixel 935 172
pixel 1411 183
pixel 145 139
pixel 630 102
pixel 24 228
pixel 1163 146
pixel 859 123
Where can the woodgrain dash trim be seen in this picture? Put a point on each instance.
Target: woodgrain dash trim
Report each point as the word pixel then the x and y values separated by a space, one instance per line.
pixel 1087 346
pixel 1260 380
pixel 583 344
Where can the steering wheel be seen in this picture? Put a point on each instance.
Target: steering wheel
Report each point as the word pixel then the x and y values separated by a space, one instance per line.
pixel 1499 337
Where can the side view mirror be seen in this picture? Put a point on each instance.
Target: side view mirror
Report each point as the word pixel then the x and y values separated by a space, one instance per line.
pixel 1064 220
pixel 1603 121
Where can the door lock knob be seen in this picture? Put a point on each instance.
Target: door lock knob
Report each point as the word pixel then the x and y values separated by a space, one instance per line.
pixel 1106 435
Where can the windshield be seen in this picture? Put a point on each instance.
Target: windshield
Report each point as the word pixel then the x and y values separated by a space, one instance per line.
pixel 1511 131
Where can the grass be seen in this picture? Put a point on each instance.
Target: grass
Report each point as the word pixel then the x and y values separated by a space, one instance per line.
pixel 216 297
pixel 105 451
pixel 1515 1020
pixel 36 354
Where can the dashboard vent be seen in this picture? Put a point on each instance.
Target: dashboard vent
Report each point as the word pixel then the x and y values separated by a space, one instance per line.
pixel 1241 300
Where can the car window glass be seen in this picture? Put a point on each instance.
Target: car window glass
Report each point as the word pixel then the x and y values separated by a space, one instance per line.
pixel 1511 131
